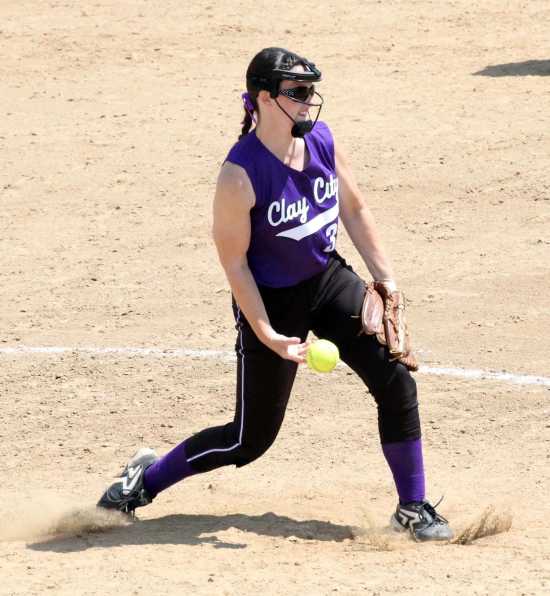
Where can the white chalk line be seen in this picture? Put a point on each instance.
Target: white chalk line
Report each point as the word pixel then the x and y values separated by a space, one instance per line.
pixel 463 373
pixel 477 373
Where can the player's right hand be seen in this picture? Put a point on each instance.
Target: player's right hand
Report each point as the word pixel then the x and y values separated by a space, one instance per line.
pixel 289 348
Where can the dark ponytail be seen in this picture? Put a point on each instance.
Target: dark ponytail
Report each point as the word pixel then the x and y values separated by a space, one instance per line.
pixel 262 65
pixel 247 124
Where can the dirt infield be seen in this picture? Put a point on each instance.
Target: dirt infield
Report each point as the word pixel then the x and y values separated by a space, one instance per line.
pixel 115 117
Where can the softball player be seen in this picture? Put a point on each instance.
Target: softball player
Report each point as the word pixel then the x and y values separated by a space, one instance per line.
pixel 280 195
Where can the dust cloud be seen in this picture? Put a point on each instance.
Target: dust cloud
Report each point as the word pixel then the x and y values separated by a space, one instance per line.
pixel 49 516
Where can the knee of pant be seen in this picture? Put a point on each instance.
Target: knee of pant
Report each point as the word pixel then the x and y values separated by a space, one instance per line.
pixel 399 393
pixel 248 452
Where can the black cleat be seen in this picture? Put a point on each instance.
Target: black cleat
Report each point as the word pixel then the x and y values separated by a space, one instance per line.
pixel 128 493
pixel 422 521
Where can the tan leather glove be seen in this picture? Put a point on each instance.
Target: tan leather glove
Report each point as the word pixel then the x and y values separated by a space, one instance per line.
pixel 383 315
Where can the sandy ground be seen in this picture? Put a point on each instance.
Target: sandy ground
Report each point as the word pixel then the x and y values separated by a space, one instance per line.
pixel 115 117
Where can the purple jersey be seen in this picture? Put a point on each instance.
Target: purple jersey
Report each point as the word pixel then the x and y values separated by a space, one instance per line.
pixel 294 221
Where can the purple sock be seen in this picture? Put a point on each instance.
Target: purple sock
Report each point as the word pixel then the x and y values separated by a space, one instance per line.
pixel 167 470
pixel 407 466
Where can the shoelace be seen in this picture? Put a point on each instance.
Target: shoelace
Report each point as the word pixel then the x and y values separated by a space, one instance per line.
pixel 431 510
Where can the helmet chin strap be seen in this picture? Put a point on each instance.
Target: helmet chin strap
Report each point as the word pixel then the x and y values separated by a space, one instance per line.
pixel 301 128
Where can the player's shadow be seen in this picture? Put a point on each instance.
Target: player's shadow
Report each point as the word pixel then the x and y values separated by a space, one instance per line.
pixel 198 529
pixel 539 68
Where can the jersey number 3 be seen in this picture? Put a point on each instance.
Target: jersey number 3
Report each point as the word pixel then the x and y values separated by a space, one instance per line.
pixel 330 233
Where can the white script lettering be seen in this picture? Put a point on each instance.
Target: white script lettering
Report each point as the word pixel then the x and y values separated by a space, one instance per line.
pixel 325 189
pixel 279 212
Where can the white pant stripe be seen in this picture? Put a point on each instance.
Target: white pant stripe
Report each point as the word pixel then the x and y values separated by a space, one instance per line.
pixel 239 442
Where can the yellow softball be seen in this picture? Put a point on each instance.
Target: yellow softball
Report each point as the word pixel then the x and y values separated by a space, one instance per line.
pixel 322 356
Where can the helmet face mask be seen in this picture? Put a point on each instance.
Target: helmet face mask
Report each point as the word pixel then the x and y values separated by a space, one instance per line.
pixel 272 81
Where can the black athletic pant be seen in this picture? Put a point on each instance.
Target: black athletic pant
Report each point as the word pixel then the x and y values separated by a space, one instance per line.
pixel 329 305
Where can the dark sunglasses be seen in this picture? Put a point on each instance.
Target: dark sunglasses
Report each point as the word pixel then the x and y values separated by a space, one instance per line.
pixel 302 93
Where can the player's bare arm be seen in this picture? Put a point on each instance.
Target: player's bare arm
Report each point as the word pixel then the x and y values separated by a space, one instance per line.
pixel 359 221
pixel 233 201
